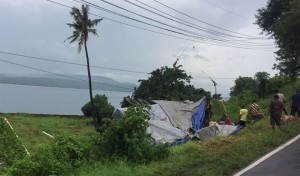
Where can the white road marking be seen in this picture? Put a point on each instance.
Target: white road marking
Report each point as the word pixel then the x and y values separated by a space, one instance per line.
pixel 267 156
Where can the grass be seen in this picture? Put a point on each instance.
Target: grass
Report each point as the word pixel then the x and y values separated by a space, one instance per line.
pixel 30 128
pixel 217 156
pixel 11 148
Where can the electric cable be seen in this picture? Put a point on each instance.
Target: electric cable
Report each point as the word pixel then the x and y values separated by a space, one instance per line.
pixel 225 45
pixel 61 75
pixel 201 21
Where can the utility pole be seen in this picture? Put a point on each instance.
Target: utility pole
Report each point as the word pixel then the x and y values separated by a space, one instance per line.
pixel 215 84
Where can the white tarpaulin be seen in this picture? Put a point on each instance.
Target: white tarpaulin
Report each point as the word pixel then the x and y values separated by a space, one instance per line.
pixel 179 113
pixel 217 130
pixel 160 126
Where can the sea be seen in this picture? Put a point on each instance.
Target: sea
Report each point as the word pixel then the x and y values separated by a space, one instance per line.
pixel 50 100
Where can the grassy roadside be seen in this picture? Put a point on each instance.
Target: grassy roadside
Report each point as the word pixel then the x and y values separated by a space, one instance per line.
pixel 217 156
pixel 30 128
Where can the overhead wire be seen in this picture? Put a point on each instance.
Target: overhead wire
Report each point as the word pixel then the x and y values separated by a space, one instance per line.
pixel 84 65
pixel 184 22
pixel 72 63
pixel 229 11
pixel 187 32
pixel 192 40
pixel 62 75
pixel 204 22
pixel 168 30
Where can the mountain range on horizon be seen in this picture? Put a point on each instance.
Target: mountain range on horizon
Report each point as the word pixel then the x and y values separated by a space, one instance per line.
pixel 67 81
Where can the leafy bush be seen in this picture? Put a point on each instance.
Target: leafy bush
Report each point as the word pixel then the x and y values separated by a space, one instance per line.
pixel 60 157
pixel 102 107
pixel 11 148
pixel 127 137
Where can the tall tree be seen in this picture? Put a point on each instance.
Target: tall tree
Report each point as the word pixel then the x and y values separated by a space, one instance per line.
pixel 168 84
pixel 281 20
pixel 82 26
pixel 243 84
pixel 262 79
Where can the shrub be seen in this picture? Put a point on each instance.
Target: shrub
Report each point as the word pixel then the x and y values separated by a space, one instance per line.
pixel 102 107
pixel 127 137
pixel 60 157
pixel 11 149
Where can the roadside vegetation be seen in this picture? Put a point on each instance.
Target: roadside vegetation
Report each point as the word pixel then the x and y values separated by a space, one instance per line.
pixel 75 151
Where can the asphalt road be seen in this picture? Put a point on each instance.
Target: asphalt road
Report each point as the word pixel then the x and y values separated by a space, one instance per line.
pixel 283 161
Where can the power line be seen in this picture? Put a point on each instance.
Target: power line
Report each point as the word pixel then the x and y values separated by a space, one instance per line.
pixel 190 33
pixel 201 21
pixel 205 42
pixel 186 23
pixel 37 69
pixel 72 63
pixel 223 42
pixel 229 11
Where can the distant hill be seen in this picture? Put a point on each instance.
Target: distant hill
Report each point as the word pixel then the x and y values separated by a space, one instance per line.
pixel 70 81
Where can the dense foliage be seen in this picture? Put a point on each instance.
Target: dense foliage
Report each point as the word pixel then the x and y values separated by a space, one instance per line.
pixel 60 157
pixel 11 149
pixel 168 84
pixel 102 109
pixel 281 20
pixel 127 137
pixel 261 85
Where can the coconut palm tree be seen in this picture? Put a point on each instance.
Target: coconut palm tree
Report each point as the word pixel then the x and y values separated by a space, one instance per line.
pixel 82 26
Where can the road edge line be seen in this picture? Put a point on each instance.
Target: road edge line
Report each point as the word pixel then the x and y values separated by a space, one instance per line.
pixel 267 155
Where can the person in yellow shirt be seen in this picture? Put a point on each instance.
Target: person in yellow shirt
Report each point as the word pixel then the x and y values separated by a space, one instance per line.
pixel 243 116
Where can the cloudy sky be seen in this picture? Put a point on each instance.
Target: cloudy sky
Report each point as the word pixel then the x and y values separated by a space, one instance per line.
pixel 212 38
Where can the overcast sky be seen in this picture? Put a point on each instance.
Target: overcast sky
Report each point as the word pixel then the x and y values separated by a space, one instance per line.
pixel 38 28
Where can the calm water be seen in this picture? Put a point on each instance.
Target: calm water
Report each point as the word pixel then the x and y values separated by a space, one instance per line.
pixel 49 100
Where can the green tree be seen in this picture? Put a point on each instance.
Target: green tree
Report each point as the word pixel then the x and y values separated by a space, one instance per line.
pixel 277 82
pixel 102 108
pixel 243 84
pixel 281 20
pixel 262 79
pixel 168 84
pixel 82 26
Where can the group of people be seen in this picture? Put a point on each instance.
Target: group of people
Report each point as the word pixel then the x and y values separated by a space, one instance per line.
pixel 276 109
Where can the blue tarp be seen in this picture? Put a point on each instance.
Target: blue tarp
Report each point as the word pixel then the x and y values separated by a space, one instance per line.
pixel 198 116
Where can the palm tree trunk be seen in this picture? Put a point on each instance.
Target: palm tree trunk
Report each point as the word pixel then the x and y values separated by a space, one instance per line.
pixel 90 87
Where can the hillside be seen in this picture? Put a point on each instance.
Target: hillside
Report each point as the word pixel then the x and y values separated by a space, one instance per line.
pixel 69 81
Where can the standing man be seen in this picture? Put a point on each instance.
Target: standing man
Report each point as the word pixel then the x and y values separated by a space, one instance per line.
pixel 280 95
pixel 281 98
pixel 208 113
pixel 295 104
pixel 275 110
pixel 243 116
